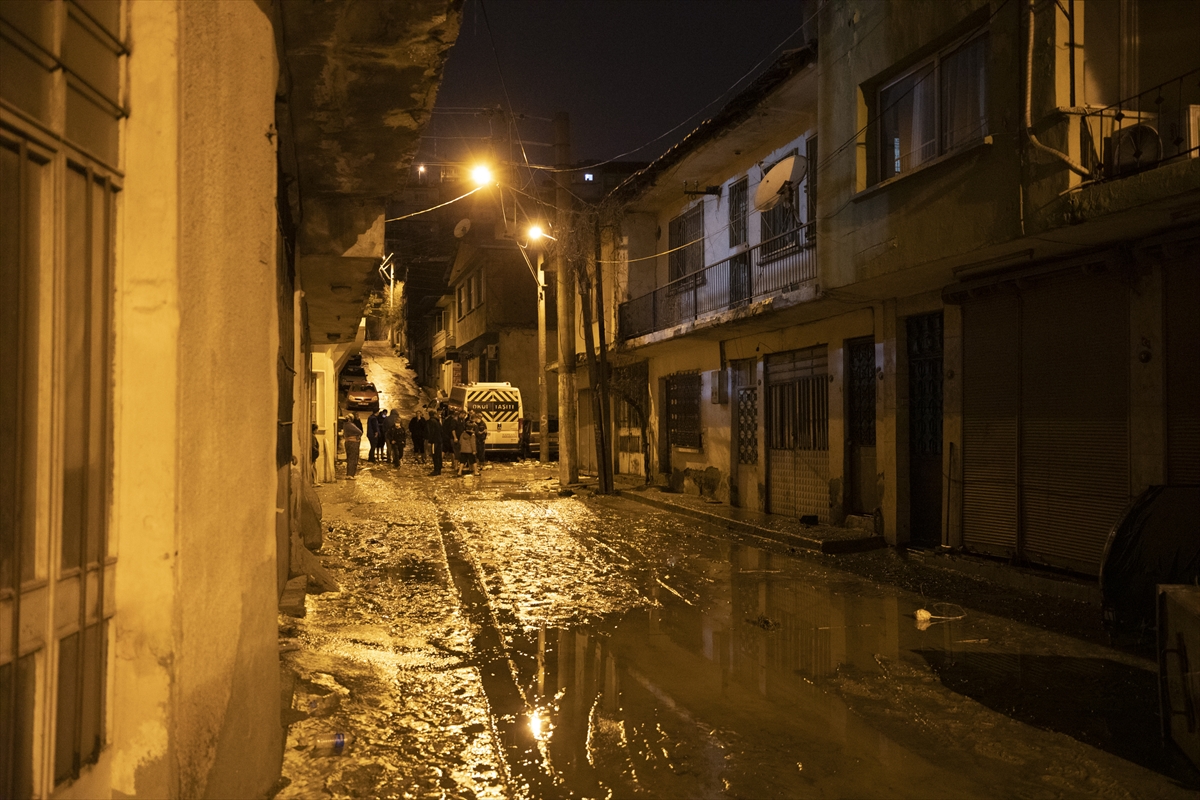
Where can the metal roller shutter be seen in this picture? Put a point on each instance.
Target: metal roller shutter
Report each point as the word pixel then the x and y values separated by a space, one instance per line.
pixel 1074 419
pixel 990 406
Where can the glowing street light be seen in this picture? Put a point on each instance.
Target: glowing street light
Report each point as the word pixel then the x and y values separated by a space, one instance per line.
pixel 536 232
pixel 481 175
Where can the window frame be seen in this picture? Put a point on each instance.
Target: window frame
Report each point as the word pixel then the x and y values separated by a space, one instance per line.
pixel 934 61
pixel 684 390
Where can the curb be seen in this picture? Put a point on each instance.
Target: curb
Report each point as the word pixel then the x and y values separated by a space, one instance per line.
pixel 826 546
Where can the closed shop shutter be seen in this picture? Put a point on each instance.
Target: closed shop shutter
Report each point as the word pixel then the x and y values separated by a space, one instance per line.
pixel 1046 420
pixel 1074 418
pixel 1182 366
pixel 990 405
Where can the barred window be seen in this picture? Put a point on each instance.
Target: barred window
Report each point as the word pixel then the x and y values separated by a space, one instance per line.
pixel 686 229
pixel 683 410
pixel 739 206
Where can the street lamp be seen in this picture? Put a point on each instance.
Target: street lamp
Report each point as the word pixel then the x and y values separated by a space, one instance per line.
pixel 481 175
pixel 536 233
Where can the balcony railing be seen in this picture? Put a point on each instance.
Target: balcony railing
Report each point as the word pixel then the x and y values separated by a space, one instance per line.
pixel 442 341
pixel 1155 127
pixel 779 264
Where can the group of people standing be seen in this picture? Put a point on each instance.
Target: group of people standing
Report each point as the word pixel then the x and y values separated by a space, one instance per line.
pixel 453 431
pixel 385 432
pixel 444 430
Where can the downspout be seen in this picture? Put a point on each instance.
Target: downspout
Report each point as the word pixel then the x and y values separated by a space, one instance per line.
pixel 1076 168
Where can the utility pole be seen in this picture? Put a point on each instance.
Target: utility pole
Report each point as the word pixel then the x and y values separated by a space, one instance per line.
pixel 543 386
pixel 606 459
pixel 568 450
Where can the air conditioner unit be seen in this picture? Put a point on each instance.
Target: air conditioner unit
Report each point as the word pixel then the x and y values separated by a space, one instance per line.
pixel 493 352
pixel 1132 149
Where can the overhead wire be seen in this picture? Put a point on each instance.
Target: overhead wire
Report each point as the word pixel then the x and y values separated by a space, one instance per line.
pixel 435 208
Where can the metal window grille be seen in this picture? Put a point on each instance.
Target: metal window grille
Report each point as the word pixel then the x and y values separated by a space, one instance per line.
pixel 683 410
pixel 747 433
pixel 739 206
pixel 686 229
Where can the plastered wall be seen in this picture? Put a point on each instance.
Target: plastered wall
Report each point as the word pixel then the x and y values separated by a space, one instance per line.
pixel 195 708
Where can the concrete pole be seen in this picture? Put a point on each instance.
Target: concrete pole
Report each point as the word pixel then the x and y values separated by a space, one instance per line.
pixel 568 450
pixel 543 386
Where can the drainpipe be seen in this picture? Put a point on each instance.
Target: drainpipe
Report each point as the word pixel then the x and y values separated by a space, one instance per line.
pixel 1076 168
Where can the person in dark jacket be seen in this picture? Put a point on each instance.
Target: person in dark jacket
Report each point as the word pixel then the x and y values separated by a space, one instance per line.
pixel 395 437
pixel 433 429
pixel 352 436
pixel 374 435
pixel 417 429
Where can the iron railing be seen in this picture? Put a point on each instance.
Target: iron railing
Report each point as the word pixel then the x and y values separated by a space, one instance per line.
pixel 779 264
pixel 1159 125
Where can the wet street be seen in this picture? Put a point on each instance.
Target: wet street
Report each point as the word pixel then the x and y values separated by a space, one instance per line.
pixel 494 639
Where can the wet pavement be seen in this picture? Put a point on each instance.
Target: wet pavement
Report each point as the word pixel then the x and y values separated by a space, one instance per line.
pixel 495 639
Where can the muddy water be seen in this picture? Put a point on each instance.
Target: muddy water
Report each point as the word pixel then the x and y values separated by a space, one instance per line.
pixel 493 639
pixel 753 674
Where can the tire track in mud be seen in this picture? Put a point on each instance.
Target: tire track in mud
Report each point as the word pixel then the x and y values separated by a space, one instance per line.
pixel 529 774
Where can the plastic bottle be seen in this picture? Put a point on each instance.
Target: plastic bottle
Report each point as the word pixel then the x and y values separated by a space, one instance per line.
pixel 331 744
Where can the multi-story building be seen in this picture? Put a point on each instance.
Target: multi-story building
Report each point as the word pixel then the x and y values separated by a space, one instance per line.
pixel 989 339
pixel 185 233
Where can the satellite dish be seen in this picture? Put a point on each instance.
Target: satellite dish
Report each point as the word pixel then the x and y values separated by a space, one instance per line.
pixel 780 178
pixel 460 230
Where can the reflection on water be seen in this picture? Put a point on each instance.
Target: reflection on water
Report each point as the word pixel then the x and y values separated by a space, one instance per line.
pixel 737 682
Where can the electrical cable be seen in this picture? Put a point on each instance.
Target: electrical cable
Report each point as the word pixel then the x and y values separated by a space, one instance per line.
pixel 434 208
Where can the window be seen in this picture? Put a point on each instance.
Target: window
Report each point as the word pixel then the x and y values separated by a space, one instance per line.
pixel 798 400
pixel 936 107
pixel 470 294
pixel 778 227
pixel 588 177
pixel 739 205
pixel 685 240
pixel 62 64
pixel 683 410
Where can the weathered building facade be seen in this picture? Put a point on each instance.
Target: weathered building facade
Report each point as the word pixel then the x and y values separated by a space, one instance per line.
pixel 183 226
pixel 989 346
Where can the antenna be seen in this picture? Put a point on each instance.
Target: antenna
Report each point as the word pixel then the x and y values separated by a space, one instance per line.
pixel 460 230
pixel 775 187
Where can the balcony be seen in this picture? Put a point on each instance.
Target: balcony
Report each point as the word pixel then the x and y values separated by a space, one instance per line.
pixel 443 343
pixel 1159 126
pixel 779 264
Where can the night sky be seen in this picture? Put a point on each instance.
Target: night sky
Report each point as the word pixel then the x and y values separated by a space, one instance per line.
pixel 626 71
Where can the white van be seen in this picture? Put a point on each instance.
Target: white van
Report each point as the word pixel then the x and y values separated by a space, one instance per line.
pixel 499 404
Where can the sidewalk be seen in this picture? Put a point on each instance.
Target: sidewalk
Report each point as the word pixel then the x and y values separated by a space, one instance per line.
pixel 828 539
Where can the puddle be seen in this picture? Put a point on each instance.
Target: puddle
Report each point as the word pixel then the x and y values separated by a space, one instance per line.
pixel 765 682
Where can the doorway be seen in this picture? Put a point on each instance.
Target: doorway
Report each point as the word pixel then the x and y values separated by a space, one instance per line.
pixel 925 429
pixel 862 483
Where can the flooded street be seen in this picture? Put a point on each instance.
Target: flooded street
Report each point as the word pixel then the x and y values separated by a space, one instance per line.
pixel 494 639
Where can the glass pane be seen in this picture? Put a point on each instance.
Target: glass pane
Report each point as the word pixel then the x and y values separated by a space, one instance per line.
pixel 90 58
pixel 94 646
pixel 23 82
pixel 964 94
pixel 16 729
pixel 105 12
pixel 34 18
pixel 65 760
pixel 10 282
pixel 90 126
pixel 75 370
pixel 97 502
pixel 907 130
pixel 18 287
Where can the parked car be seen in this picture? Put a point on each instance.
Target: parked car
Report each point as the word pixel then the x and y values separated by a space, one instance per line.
pixel 350 375
pixel 362 396
pixel 531 437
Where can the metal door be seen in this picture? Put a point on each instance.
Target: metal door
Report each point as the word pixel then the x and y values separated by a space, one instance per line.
pixel 925 429
pixel 740 286
pixel 797 428
pixel 862 480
